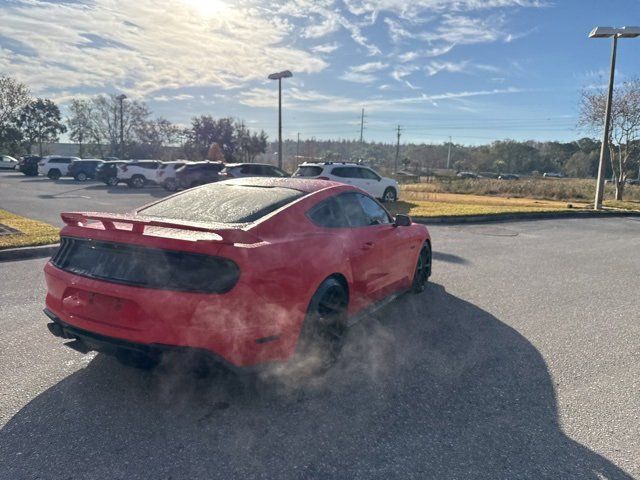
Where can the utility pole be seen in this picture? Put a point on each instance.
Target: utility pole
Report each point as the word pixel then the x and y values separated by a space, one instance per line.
pixel 362 125
pixel 298 149
pixel 121 98
pixel 449 154
pixel 397 150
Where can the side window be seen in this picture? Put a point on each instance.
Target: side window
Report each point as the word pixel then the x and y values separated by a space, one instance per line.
pixel 328 214
pixel 355 172
pixel 276 172
pixel 376 215
pixel 247 170
pixel 342 172
pixel 352 210
pixel 369 174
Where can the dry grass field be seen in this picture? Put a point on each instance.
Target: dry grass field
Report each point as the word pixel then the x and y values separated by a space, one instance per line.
pixel 490 197
pixel 561 189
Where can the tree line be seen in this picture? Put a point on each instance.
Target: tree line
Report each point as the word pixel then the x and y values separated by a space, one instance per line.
pixel 96 124
pixel 111 126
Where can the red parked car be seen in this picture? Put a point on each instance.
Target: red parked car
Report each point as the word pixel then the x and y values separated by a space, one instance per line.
pixel 246 271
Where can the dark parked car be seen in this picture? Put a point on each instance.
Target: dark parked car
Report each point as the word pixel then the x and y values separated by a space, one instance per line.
pixel 467 175
pixel 508 176
pixel 240 170
pixel 84 169
pixel 107 172
pixel 198 173
pixel 29 165
pixel 488 175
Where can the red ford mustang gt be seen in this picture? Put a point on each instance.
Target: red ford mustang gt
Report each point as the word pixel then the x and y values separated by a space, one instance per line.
pixel 247 271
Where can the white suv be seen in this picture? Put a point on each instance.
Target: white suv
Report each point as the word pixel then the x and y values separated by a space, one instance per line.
pixel 55 167
pixel 138 173
pixel 166 174
pixel 386 189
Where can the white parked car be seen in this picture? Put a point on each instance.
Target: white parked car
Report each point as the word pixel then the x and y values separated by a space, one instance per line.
pixel 55 166
pixel 138 173
pixel 386 189
pixel 8 163
pixel 166 174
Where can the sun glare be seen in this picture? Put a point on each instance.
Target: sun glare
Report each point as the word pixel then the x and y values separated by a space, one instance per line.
pixel 207 8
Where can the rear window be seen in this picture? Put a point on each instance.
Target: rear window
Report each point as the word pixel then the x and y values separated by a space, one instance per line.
pixel 307 171
pixel 223 203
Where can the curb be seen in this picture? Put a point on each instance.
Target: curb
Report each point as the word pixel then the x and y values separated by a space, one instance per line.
pixel 514 217
pixel 25 253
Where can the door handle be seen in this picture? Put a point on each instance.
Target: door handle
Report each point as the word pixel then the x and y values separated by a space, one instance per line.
pixel 367 245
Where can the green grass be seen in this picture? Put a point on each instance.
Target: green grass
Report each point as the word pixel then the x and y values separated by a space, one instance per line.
pixel 32 232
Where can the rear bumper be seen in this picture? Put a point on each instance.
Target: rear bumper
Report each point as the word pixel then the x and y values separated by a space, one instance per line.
pixel 237 327
pixel 85 341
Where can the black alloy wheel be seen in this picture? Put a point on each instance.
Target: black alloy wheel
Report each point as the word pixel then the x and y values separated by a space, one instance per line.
pixel 423 269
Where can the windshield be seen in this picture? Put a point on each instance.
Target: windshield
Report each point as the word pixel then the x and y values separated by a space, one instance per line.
pixel 223 203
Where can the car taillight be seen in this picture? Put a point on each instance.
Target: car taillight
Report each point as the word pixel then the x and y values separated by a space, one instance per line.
pixel 161 173
pixel 324 178
pixel 124 168
pixel 146 267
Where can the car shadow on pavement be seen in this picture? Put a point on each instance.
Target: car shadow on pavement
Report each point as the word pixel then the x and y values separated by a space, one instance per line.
pixel 430 387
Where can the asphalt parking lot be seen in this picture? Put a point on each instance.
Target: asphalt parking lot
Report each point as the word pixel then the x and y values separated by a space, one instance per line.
pixel 43 199
pixel 520 360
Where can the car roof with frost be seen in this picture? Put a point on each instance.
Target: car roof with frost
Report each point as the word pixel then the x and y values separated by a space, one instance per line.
pixel 301 184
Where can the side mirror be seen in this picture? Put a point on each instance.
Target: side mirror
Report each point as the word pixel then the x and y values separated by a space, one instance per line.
pixel 402 220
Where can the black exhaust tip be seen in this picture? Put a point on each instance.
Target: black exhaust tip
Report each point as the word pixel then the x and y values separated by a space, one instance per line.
pixel 78 346
pixel 55 329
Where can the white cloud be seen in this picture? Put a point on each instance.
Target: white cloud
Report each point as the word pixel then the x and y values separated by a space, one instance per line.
pixel 363 73
pixel 433 68
pixel 139 49
pixel 314 101
pixel 369 67
pixel 326 48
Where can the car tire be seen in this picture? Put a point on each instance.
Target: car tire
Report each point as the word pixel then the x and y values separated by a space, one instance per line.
pixel 54 174
pixel 423 269
pixel 170 185
pixel 112 181
pixel 81 177
pixel 390 195
pixel 324 328
pixel 137 181
pixel 139 360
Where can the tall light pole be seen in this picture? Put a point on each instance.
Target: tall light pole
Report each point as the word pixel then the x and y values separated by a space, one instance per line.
pixel 615 33
pixel 121 98
pixel 279 76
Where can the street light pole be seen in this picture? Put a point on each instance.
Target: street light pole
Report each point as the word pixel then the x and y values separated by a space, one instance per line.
pixel 279 76
pixel 615 33
pixel 121 98
pixel 604 148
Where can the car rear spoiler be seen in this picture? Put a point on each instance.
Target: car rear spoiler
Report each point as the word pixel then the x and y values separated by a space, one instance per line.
pixel 110 221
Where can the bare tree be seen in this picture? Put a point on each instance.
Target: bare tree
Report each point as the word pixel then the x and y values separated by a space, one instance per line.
pixel 81 124
pixel 106 117
pixel 624 138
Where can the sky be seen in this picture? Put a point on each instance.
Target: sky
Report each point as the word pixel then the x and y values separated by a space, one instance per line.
pixel 475 70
